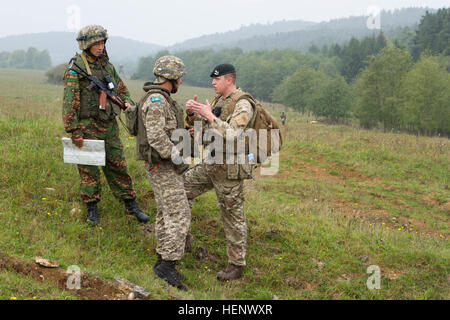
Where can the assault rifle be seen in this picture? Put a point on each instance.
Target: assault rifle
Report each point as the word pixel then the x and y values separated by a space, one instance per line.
pixel 106 91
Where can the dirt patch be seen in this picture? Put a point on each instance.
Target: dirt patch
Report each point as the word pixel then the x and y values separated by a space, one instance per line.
pixel 322 174
pixel 429 200
pixel 390 273
pixel 338 173
pixel 445 207
pixel 92 288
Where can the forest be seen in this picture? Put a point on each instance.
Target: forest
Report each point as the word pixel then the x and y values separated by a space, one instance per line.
pixel 31 59
pixel 399 83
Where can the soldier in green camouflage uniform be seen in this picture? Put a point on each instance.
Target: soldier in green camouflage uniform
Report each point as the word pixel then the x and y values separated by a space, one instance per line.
pixel 224 178
pixel 158 117
pixel 84 120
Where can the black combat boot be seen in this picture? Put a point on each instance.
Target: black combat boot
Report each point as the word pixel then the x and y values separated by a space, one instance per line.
pixel 92 213
pixel 133 209
pixel 166 270
pixel 160 260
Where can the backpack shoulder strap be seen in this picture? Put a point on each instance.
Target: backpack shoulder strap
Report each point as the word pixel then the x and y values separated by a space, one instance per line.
pixel 244 95
pixel 156 90
pixel 215 101
pixel 238 96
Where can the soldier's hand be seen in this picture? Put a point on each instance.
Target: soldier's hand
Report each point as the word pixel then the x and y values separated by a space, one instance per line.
pixel 181 169
pixel 203 110
pixel 78 142
pixel 127 106
pixel 77 139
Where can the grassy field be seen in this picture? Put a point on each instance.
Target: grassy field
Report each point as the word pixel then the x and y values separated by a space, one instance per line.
pixel 344 199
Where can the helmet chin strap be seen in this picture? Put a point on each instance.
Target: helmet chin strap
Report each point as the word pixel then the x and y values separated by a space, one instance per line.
pixel 174 87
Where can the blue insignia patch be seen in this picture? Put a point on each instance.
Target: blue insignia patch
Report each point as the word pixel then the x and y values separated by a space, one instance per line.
pixel 156 99
pixel 71 71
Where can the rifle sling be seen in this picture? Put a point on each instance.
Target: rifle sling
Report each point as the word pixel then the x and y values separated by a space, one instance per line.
pixel 86 64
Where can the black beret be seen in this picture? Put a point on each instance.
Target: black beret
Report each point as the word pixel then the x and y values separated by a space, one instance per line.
pixel 222 70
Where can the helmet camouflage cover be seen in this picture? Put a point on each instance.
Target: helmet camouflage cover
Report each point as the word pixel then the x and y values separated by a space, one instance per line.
pixel 90 35
pixel 169 68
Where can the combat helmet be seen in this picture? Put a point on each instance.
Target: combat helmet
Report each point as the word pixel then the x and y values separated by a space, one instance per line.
pixel 90 35
pixel 169 68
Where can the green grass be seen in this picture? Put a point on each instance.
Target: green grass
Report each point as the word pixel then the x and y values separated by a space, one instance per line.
pixel 337 192
pixel 17 287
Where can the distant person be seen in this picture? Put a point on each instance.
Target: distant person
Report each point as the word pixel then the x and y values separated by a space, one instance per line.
pixel 283 118
pixel 83 119
pixel 229 113
pixel 161 116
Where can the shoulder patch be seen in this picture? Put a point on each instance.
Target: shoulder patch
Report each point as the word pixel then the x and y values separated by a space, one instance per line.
pixel 156 99
pixel 73 72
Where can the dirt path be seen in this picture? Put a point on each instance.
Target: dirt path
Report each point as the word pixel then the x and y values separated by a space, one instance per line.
pixel 368 210
pixel 92 288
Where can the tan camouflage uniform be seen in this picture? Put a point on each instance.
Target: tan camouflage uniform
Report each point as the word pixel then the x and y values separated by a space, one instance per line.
pixel 230 192
pixel 173 216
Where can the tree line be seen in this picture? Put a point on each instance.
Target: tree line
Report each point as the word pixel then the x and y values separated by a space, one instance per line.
pixel 393 84
pixel 30 59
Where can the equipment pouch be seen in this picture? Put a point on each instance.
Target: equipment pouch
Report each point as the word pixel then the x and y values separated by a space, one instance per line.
pixel 132 120
pixel 240 171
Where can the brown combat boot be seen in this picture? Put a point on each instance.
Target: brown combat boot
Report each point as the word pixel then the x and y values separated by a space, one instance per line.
pixel 232 272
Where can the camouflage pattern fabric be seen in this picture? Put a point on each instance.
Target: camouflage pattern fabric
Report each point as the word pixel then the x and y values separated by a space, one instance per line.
pixel 90 35
pixel 79 102
pixel 230 192
pixel 160 121
pixel 173 218
pixel 230 196
pixel 97 128
pixel 170 68
pixel 240 118
pixel 116 169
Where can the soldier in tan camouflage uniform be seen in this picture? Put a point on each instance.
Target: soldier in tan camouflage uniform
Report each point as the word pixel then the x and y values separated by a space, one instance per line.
pixel 224 178
pixel 160 116
pixel 83 119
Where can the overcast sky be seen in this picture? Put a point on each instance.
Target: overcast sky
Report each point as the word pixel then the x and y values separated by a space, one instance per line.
pixel 167 22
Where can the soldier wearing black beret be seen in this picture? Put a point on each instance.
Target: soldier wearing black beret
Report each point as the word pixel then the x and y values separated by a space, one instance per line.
pixel 228 114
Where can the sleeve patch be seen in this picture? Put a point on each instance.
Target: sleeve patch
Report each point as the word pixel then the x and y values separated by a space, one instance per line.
pixel 156 99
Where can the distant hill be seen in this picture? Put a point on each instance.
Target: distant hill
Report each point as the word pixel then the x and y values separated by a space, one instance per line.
pixel 301 35
pixel 296 34
pixel 62 46
pixel 245 32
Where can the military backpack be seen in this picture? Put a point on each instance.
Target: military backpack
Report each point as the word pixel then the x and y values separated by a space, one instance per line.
pixel 262 122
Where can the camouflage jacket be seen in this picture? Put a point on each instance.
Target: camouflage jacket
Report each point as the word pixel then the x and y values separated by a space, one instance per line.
pixel 80 103
pixel 242 115
pixel 161 119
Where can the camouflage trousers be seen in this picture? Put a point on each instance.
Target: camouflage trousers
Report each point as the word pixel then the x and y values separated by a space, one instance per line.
pixel 230 196
pixel 173 218
pixel 116 169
